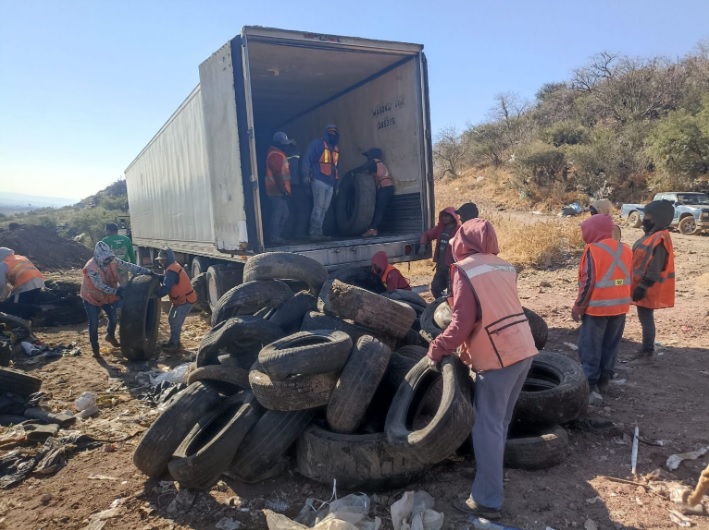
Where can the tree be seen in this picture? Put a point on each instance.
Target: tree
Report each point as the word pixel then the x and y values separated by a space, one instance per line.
pixel 450 150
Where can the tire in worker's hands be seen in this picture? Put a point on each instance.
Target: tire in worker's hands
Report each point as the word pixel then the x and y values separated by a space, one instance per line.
pixel 119 292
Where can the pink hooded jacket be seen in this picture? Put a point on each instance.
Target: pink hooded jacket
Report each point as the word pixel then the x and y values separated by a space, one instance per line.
pixel 394 279
pixel 437 231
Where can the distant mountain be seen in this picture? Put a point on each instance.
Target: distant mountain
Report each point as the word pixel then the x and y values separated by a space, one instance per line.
pixel 27 202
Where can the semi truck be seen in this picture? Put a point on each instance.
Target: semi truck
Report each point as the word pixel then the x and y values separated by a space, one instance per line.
pixel 198 188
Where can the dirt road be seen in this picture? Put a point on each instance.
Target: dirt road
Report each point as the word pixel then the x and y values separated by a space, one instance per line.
pixel 666 400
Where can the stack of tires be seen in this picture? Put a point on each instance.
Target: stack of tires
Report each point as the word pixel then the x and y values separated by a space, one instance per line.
pixel 335 371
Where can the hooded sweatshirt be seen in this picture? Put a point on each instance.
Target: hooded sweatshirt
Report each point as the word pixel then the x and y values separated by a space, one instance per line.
pixel 394 279
pixel 171 277
pixel 101 253
pixel 476 236
pixel 662 213
pixel 594 229
pixel 442 233
pixel 34 283
pixel 311 164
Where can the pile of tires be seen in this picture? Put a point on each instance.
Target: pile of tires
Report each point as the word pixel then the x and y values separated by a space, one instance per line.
pixel 331 380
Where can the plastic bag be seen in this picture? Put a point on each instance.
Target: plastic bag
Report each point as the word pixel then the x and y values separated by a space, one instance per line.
pixel 86 404
pixel 414 511
pixel 176 375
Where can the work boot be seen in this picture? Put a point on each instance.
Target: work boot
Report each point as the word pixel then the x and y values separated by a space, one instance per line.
pixel 473 508
pixel 604 382
pixel 112 341
pixel 95 350
pixel 645 356
pixel 171 346
pixel 595 397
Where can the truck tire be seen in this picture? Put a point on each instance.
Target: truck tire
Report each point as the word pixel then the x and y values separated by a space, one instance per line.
pixel 18 382
pixel 356 386
pixel 410 298
pixel 199 286
pixel 290 315
pixel 688 225
pixel 401 363
pixel 356 200
pixel 452 421
pixel 140 318
pixel 274 433
pixel 555 392
pixel 540 448
pixel 227 379
pixel 221 278
pixel 199 265
pixel 539 327
pixel 314 321
pixel 170 428
pixel 247 298
pixel 360 276
pixel 209 447
pixel 634 219
pixel 306 352
pixel 286 266
pixel 371 310
pixel 298 392
pixel 243 337
pixel 367 462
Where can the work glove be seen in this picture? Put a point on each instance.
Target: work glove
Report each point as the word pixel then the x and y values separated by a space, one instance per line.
pixel 421 250
pixel 119 292
pixel 433 365
pixel 639 293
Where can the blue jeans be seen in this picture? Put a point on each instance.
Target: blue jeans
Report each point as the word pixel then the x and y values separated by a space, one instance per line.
pixel 279 217
pixel 93 312
pixel 176 318
pixel 647 323
pixel 322 195
pixel 598 345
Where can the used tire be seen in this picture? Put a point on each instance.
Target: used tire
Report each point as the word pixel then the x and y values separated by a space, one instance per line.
pixel 356 200
pixel 199 265
pixel 540 330
pixel 227 379
pixel 274 433
pixel 243 337
pixel 360 276
pixel 541 448
pixel 247 298
pixel 555 391
pixel 634 220
pixel 289 316
pixel 401 363
pixel 170 428
pixel 297 392
pixel 314 321
pixel 18 382
pixel 220 279
pixel 210 446
pixel 306 352
pixel 688 225
pixel 286 266
pixel 356 386
pixel 452 421
pixel 199 286
pixel 140 318
pixel 371 310
pixel 357 461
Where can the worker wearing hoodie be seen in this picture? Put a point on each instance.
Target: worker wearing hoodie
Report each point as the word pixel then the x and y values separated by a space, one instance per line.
pixel 19 272
pixel 442 233
pixel 653 271
pixel 603 300
pixel 320 168
pixel 492 336
pixel 177 284
pixel 388 274
pixel 604 207
pixel 100 290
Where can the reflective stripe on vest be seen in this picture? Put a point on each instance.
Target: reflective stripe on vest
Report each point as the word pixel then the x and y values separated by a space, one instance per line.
pixel 611 269
pixel 382 175
pixel 93 294
pixel 503 336
pixel 386 273
pixel 272 187
pixel 329 160
pixel 182 291
pixel 20 270
pixel 662 292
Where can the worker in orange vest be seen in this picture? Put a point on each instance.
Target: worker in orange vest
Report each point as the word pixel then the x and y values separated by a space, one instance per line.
pixel 24 278
pixel 603 301
pixel 177 284
pixel 388 274
pixel 384 184
pixel 490 334
pixel 321 170
pixel 653 271
pixel 278 185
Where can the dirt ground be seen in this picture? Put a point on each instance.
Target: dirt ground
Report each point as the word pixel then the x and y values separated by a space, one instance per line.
pixel 44 247
pixel 666 400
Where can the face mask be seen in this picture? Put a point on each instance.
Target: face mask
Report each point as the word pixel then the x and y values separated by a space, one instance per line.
pixel 333 138
pixel 648 225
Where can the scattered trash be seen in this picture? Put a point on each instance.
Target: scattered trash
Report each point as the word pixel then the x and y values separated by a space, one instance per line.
pixel 227 523
pixel 30 349
pixel 590 524
pixel 679 519
pixel 571 345
pixel 415 510
pixel 634 451
pixel 674 461
pixel 176 375
pixel 181 503
pixel 86 404
pixel 480 523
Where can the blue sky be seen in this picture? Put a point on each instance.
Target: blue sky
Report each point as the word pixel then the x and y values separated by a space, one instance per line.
pixel 85 84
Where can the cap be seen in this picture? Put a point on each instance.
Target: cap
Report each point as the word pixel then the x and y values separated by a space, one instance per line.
pixel 162 254
pixel 331 126
pixel 374 152
pixel 281 138
pixel 467 212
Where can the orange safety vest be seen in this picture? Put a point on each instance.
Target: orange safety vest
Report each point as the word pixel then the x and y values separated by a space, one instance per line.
pixel 382 175
pixel 93 294
pixel 503 336
pixel 182 291
pixel 329 160
pixel 612 261
pixel 20 270
pixel 386 273
pixel 662 292
pixel 272 187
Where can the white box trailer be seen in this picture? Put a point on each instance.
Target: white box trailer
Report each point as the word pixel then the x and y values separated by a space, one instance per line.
pixel 197 186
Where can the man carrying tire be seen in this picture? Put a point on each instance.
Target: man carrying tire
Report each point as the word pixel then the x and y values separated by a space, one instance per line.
pixel 100 290
pixel 443 232
pixel 385 188
pixel 177 284
pixel 489 332
pixel 320 168
pixel 25 280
